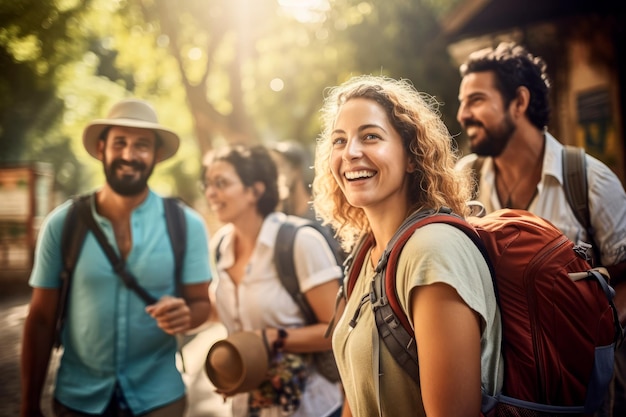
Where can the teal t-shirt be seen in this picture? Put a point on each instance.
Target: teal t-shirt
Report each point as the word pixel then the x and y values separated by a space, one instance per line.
pixel 108 338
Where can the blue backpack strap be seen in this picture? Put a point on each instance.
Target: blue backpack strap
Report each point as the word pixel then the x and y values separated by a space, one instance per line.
pixel 177 231
pixel 72 238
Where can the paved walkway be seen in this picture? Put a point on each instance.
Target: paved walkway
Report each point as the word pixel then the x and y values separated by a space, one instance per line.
pixel 12 314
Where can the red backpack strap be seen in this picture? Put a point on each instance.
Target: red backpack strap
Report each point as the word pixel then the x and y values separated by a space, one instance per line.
pixel 354 263
pixel 391 321
pixel 392 262
pixel 389 259
pixel 352 268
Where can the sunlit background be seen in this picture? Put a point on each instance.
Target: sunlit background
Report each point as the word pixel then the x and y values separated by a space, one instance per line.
pixel 223 71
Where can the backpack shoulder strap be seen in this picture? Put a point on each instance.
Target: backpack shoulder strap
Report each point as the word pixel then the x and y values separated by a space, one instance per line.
pixel 388 266
pixel 217 249
pixel 285 264
pixel 354 263
pixel 75 230
pixel 177 230
pixel 392 322
pixel 118 264
pixel 576 191
pixel 575 183
pixel 72 238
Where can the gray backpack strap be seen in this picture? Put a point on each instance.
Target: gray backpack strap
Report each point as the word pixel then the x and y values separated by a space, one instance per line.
pixel 576 191
pixel 575 183
pixel 285 263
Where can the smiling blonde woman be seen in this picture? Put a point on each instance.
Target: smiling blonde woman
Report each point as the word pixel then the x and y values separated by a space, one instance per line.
pixel 383 154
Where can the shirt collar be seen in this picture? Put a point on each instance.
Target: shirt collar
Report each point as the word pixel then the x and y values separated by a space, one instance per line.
pixel 552 158
pixel 266 238
pixel 145 204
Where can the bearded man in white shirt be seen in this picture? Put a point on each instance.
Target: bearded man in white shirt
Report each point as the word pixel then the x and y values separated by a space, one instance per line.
pixel 504 109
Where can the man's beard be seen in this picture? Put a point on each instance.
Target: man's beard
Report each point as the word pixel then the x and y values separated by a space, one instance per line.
pixel 495 140
pixel 123 185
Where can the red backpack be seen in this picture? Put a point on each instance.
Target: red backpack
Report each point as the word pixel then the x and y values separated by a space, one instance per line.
pixel 560 327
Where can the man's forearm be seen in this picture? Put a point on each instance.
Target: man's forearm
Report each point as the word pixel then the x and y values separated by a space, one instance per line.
pixel 196 297
pixel 36 349
pixel 200 309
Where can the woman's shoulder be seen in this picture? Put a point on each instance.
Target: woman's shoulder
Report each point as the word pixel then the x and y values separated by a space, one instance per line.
pixel 435 237
pixel 220 234
pixel 442 247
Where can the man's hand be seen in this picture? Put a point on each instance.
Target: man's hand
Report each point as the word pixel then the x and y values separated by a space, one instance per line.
pixel 172 314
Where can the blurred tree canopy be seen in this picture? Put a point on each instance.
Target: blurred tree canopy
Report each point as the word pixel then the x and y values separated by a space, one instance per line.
pixel 217 71
pixel 35 40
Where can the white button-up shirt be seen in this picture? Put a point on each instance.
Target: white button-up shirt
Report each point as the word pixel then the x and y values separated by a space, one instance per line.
pixel 260 301
pixel 607 200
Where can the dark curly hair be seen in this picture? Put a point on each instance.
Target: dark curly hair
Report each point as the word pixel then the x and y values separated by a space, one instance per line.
pixel 253 164
pixel 515 67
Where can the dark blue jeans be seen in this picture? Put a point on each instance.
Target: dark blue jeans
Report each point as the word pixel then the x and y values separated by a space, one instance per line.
pixel 175 409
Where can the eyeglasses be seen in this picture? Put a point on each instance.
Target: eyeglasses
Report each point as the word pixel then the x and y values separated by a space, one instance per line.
pixel 218 184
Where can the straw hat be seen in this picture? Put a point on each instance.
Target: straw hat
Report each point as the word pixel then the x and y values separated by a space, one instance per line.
pixel 131 113
pixel 238 363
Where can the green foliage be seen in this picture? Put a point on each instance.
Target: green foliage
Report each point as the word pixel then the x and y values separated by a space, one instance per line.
pixel 35 40
pixel 399 39
pixel 216 71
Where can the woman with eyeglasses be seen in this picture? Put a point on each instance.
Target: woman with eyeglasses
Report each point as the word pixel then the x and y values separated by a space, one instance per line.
pixel 241 188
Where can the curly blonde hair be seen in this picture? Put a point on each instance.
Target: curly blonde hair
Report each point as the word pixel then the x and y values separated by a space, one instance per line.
pixel 434 183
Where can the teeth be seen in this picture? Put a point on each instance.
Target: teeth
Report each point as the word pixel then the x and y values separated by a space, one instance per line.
pixel 127 169
pixel 353 175
pixel 472 130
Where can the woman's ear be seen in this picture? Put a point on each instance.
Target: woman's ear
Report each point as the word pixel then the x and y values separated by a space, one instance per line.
pixel 258 188
pixel 411 166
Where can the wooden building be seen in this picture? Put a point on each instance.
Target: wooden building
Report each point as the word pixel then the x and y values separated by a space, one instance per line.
pixel 584 45
pixel 26 197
